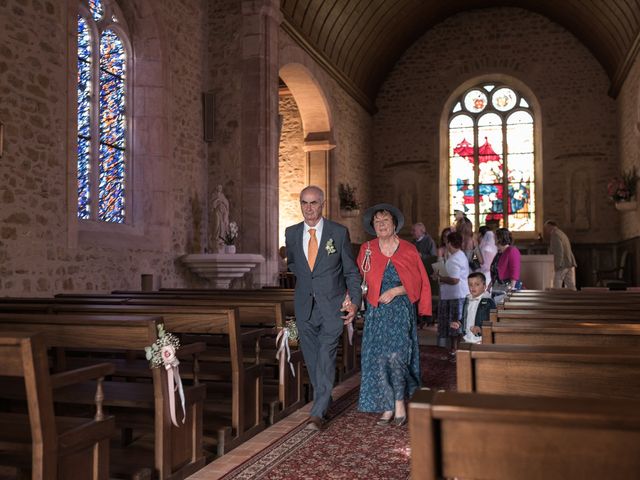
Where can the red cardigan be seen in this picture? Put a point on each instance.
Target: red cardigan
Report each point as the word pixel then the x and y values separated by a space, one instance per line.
pixel 410 268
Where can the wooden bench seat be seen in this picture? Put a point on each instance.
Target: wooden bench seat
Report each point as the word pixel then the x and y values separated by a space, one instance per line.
pixel 596 372
pixel 177 450
pixel 47 445
pixel 568 315
pixel 506 437
pixel 595 334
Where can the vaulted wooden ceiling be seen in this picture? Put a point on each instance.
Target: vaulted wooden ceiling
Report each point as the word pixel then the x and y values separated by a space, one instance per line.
pixel 360 40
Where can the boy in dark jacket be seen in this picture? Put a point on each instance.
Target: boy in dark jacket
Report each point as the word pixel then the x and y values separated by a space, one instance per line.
pixel 475 310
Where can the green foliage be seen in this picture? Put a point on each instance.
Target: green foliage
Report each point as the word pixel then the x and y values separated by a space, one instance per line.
pixel 347 195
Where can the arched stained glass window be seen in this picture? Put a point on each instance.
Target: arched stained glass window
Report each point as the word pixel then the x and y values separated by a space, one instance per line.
pixel 491 157
pixel 102 114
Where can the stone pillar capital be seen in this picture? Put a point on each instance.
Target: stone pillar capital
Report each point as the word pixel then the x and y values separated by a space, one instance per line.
pixel 316 141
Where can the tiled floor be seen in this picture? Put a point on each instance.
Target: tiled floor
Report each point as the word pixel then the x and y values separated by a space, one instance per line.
pixel 244 452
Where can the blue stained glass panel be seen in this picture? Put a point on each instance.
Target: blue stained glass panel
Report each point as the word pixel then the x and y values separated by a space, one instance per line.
pixel 84 118
pixel 112 182
pixel 84 197
pixel 113 57
pixel 112 110
pixel 97 9
pixel 84 40
pixel 84 99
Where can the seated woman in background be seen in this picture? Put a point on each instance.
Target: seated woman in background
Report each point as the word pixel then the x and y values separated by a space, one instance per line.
pixel 505 268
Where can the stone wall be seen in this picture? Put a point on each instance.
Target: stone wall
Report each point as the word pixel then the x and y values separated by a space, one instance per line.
pixel 43 250
pixel 223 78
pixel 292 165
pixel 629 120
pixel 578 118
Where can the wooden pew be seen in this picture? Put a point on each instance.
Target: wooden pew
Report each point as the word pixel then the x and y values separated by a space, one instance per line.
pixel 564 315
pixel 348 363
pixel 506 437
pixel 177 452
pixel 51 446
pixel 241 399
pixel 557 371
pixel 250 303
pixel 284 395
pixel 602 334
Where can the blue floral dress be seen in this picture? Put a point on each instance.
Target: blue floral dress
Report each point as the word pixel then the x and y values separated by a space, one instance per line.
pixel 390 355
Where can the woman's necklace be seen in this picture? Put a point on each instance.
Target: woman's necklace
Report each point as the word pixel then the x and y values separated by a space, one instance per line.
pixel 389 247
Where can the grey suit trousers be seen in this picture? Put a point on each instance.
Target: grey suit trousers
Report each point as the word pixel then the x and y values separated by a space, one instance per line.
pixel 319 339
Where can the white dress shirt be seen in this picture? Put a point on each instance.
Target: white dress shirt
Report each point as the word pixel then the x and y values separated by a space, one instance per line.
pixel 306 236
pixel 470 320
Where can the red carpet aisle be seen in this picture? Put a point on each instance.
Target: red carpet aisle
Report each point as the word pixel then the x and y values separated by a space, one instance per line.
pixel 352 446
pixel 437 374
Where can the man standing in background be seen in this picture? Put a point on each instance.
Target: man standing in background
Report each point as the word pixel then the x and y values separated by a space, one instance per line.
pixel 429 254
pixel 564 263
pixel 424 243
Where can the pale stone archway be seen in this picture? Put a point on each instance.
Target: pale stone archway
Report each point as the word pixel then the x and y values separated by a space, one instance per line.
pixel 305 143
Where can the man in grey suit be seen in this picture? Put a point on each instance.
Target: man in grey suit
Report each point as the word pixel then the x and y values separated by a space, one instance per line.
pixel 319 254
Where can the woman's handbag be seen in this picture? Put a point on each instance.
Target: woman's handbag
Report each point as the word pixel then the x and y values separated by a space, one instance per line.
pixel 474 263
pixel 366 266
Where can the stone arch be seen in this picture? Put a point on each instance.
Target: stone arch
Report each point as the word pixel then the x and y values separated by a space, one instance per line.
pixel 311 101
pixel 312 162
pixel 517 84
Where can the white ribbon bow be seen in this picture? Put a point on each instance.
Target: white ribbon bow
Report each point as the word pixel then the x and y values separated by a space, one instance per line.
pixel 284 350
pixel 174 382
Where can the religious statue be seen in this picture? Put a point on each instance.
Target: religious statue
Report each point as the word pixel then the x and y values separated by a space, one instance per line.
pixel 220 216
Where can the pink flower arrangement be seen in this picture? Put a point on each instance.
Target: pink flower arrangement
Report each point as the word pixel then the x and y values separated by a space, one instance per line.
pixel 621 189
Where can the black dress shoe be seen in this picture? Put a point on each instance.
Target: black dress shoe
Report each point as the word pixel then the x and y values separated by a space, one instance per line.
pixel 314 423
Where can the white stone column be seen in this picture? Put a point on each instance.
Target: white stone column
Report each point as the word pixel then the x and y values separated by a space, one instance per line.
pixel 260 26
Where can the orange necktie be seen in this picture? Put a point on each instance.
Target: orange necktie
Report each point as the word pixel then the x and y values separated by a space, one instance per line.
pixel 313 247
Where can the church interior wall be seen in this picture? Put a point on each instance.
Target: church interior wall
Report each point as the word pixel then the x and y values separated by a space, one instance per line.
pixel 292 164
pixel 579 119
pixel 628 102
pixel 223 78
pixel 41 250
pixel 185 48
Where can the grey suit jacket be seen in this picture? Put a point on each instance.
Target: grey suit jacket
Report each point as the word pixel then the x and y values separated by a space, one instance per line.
pixel 333 273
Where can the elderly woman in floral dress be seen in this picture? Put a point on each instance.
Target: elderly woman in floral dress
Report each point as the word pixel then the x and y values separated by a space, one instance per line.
pixel 396 280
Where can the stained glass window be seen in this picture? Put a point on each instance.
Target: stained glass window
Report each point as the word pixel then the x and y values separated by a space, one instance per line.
pixel 491 157
pixel 102 136
pixel 84 117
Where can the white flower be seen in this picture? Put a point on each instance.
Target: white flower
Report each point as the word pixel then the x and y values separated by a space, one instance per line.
pixel 168 353
pixel 329 247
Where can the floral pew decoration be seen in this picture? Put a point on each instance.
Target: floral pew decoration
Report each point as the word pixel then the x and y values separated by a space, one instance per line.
pixel 163 353
pixel 287 336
